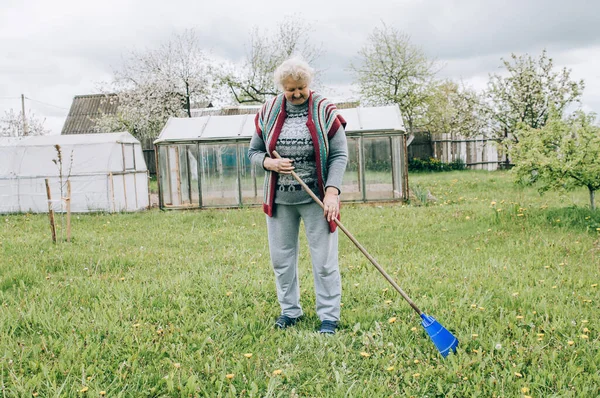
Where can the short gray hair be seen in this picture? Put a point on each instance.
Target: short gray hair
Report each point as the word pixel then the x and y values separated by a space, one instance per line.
pixel 296 68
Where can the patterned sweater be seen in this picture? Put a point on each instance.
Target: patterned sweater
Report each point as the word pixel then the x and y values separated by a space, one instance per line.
pixel 291 132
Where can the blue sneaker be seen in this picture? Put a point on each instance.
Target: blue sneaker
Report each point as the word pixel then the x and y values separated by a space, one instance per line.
pixel 328 327
pixel 285 321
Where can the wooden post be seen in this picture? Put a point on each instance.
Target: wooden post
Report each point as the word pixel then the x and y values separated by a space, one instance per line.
pixel 50 212
pixel 112 190
pixel 125 190
pixel 68 200
pixel 25 133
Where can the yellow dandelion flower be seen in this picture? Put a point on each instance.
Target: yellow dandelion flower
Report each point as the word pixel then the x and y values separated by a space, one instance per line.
pixel 122 279
pixel 177 365
pixel 570 342
pixel 392 320
pixel 473 305
pixel 594 285
pixel 474 335
pixel 489 230
pixel 586 330
pixel 526 396
pixel 248 355
pixel 229 294
pixel 388 301
pixel 515 294
pixel 385 290
pixel 584 336
pixel 465 378
pixel 519 316
pixel 277 372
pixel 356 284
pixel 414 329
pixel 554 287
pixel 499 210
pixel 416 361
pixel 417 375
pixel 103 393
pixel 35 394
pixel 482 308
pixel 467 218
pixel 558 220
pixel 518 374
pixel 546 266
pixel 136 325
pixel 390 368
pixel 230 375
pixel 584 321
pixel 493 203
pixel 365 354
pixel 540 335
pixel 524 390
pixel 83 390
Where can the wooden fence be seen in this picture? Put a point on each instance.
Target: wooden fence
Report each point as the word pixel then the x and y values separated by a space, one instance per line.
pixel 479 152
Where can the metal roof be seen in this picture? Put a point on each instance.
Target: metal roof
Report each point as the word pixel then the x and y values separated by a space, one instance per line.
pixel 85 109
pixel 223 127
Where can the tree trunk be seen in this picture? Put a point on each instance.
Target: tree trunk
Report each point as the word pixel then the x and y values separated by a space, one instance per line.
pixel 188 104
pixel 592 198
pixel 506 158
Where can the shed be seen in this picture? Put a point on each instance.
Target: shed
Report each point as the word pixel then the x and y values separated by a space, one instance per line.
pixel 107 173
pixel 203 161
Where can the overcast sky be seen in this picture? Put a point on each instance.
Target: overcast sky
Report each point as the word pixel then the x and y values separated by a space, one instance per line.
pixel 53 50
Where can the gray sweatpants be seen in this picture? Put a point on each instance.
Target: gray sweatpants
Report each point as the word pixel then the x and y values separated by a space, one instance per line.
pixel 283 230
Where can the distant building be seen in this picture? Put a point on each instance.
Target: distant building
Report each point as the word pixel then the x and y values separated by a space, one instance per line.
pixel 84 111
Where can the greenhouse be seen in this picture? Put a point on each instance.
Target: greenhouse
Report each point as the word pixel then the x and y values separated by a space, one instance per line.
pixel 106 172
pixel 203 161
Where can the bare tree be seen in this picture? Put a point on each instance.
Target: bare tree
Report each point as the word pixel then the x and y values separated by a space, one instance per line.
pixel 392 70
pixel 527 94
pixel 455 109
pixel 11 125
pixel 253 81
pixel 154 84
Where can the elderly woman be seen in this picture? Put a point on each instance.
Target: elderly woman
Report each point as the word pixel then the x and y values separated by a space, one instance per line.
pixel 308 133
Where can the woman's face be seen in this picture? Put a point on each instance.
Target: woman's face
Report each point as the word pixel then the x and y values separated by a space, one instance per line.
pixel 295 91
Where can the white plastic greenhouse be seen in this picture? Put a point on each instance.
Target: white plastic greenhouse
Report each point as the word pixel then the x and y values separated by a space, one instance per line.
pixel 107 173
pixel 203 161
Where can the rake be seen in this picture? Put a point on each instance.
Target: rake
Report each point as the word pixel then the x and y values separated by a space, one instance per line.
pixel 442 338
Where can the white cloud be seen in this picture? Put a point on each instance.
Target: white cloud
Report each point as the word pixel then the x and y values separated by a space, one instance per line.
pixel 52 51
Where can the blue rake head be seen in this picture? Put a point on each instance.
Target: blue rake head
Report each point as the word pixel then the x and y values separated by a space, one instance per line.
pixel 441 337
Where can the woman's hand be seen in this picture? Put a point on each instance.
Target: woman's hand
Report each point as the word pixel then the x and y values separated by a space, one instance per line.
pixel 281 165
pixel 331 204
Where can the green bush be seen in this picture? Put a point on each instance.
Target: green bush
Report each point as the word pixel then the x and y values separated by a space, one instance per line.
pixel 432 164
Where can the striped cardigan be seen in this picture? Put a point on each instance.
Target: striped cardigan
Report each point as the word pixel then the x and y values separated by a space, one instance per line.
pixel 323 122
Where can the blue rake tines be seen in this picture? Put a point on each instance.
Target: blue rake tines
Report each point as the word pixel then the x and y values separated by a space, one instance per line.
pixel 441 337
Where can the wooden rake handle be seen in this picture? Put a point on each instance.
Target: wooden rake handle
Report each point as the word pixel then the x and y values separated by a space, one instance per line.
pixel 356 243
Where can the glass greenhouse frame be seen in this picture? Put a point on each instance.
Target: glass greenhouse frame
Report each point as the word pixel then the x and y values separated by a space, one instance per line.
pixel 203 161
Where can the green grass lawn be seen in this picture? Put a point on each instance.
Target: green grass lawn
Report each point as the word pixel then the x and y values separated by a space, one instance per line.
pixel 182 303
